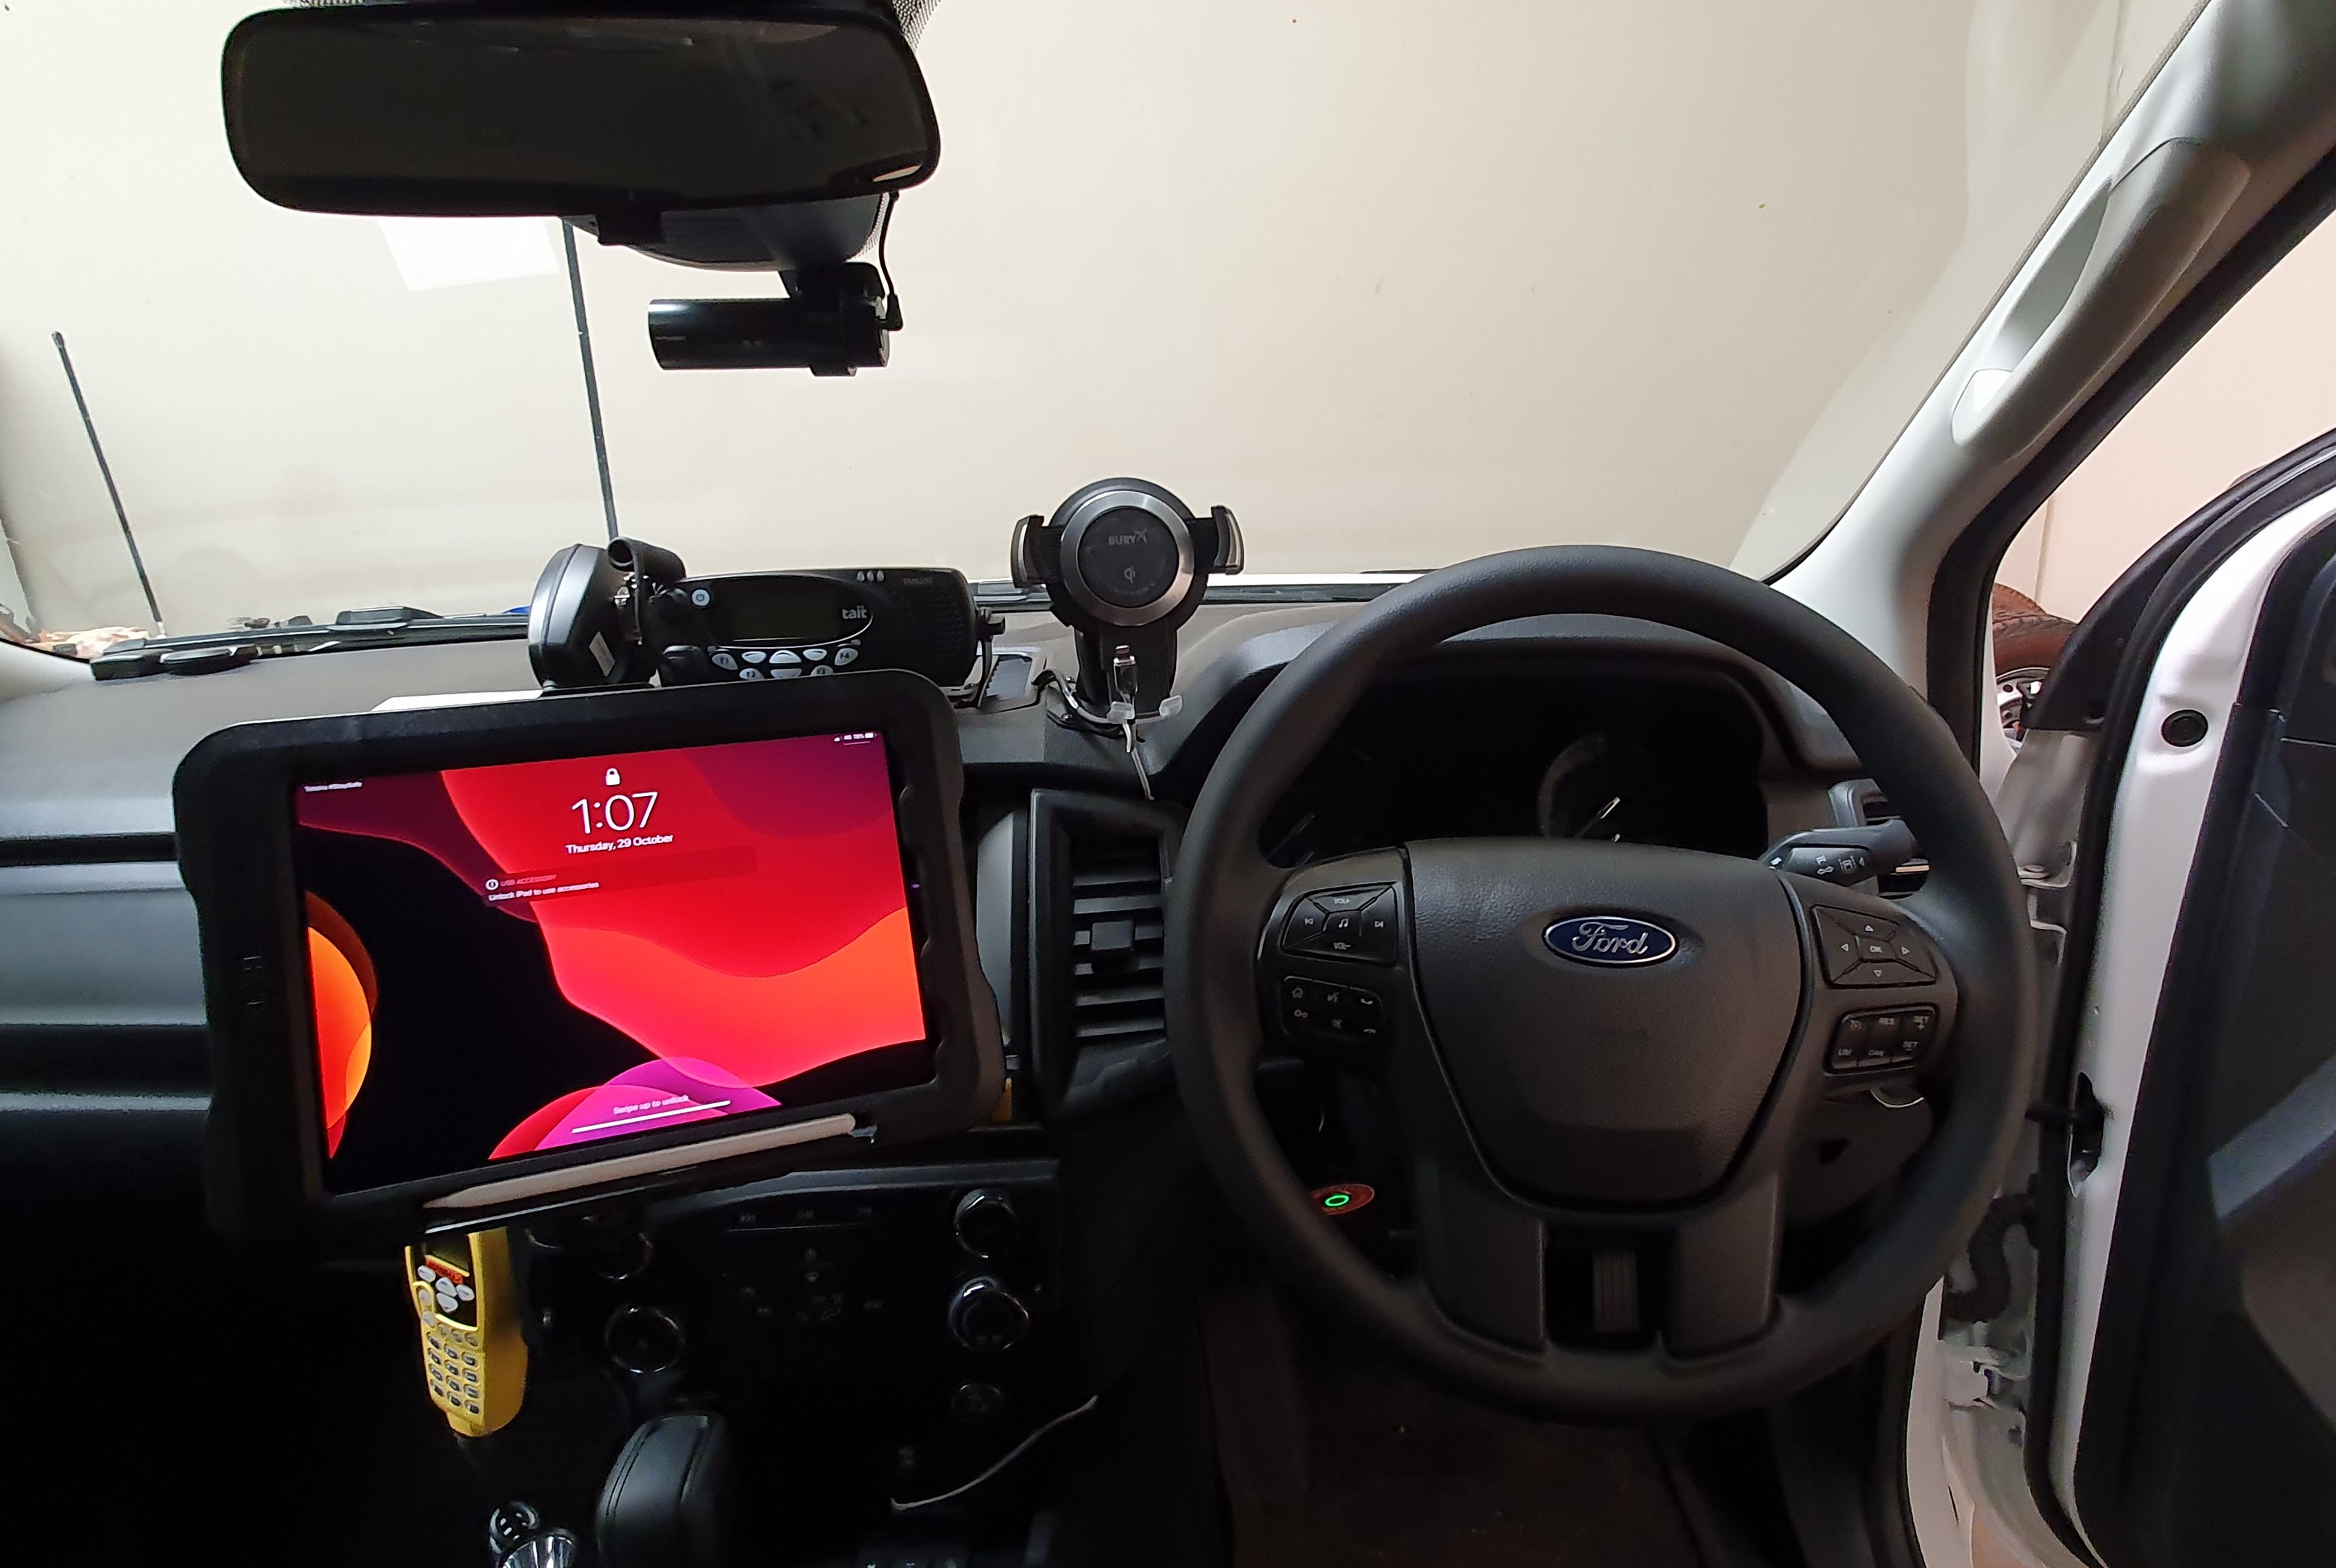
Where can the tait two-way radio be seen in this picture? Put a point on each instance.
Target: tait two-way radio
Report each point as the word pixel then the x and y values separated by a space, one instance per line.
pixel 615 616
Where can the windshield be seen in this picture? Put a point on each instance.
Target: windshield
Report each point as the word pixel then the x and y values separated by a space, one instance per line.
pixel 1399 285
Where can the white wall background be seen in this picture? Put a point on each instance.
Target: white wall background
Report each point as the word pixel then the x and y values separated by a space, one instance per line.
pixel 1399 285
pixel 2260 384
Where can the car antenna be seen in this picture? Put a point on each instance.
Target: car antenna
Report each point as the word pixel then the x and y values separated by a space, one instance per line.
pixel 106 471
pixel 591 380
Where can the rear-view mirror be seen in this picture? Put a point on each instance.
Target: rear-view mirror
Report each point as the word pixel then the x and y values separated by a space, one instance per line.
pixel 499 110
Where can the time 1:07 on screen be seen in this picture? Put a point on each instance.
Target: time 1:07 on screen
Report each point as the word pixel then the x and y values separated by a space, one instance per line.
pixel 617 813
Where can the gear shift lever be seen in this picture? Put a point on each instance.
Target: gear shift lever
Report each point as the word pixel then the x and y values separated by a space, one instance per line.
pixel 667 1503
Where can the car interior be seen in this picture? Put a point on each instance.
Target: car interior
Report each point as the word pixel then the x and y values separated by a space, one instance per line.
pixel 1563 1057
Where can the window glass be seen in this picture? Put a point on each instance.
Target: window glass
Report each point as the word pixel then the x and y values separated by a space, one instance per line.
pixel 1400 284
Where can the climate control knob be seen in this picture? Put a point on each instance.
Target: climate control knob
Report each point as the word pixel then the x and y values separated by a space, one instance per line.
pixel 983 1315
pixel 986 1224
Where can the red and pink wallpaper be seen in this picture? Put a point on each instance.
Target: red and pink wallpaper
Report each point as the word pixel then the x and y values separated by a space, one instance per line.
pixel 736 910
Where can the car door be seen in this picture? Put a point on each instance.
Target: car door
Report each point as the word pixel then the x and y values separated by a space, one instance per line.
pixel 2174 813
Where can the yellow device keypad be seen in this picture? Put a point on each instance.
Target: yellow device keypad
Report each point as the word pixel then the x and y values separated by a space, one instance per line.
pixel 473 1360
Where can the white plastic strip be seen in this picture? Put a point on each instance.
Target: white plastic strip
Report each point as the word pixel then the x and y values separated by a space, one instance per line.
pixel 2161 808
pixel 451 700
pixel 518 1189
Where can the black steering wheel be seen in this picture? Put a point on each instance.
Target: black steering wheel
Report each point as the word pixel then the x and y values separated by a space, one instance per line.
pixel 1612 1046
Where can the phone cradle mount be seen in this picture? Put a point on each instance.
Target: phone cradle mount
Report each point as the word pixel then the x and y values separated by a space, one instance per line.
pixel 1123 564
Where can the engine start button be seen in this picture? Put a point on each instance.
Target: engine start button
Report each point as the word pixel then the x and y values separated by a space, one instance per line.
pixel 1344 1198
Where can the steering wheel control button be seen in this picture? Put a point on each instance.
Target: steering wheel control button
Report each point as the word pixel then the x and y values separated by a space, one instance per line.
pixel 1351 899
pixel 1864 1042
pixel 1914 955
pixel 1344 1198
pixel 1862 949
pixel 1315 1010
pixel 1351 923
pixel 1375 929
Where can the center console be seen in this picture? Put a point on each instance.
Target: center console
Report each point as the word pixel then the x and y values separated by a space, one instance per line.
pixel 646 1030
pixel 932 1288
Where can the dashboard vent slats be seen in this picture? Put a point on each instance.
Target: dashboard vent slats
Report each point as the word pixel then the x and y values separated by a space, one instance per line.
pixel 1099 879
pixel 1117 906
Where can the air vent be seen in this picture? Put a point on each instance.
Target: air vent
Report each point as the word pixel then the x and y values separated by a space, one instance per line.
pixel 1117 906
pixel 1100 1033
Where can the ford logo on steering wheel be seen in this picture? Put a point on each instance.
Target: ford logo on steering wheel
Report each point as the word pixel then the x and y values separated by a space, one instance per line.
pixel 1614 941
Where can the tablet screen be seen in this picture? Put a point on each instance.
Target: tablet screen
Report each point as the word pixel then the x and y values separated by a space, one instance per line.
pixel 534 956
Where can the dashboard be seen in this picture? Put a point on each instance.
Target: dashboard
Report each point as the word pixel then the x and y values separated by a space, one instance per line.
pixel 1584 726
pixel 934 1295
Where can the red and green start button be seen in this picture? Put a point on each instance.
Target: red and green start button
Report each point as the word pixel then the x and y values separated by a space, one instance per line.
pixel 1343 1198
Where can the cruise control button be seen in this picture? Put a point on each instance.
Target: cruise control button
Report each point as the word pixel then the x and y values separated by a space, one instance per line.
pixel 1849 1038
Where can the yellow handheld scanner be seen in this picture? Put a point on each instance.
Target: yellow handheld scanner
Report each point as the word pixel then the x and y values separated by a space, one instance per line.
pixel 471 1351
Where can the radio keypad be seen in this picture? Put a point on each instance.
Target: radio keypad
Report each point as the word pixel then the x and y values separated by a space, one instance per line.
pixel 782 663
